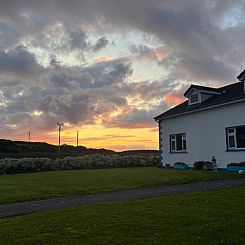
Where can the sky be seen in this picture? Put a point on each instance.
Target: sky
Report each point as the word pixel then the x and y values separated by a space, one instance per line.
pixel 106 68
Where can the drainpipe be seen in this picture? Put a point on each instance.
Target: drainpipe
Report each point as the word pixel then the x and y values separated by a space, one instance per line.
pixel 160 143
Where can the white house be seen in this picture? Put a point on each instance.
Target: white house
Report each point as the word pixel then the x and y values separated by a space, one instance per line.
pixel 211 122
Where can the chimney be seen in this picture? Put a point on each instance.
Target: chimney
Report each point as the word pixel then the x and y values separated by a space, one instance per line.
pixel 241 78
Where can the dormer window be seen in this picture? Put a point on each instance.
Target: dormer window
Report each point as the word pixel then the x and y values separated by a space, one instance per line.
pixel 194 98
pixel 197 94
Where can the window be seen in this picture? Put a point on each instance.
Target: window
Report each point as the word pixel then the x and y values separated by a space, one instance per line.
pixel 236 137
pixel 178 142
pixel 194 98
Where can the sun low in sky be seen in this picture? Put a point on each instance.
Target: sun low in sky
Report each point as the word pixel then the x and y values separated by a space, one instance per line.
pixel 106 68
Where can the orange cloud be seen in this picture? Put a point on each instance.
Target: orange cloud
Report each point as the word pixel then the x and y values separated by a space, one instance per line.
pixel 172 99
pixel 106 58
pixel 159 54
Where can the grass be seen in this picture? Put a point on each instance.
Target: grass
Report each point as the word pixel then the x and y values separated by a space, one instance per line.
pixel 216 217
pixel 34 186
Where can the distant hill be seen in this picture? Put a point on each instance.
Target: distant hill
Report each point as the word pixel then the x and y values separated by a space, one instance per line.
pixel 19 149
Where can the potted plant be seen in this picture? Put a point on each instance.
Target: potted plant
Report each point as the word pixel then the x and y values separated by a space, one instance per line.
pixel 235 167
pixel 180 165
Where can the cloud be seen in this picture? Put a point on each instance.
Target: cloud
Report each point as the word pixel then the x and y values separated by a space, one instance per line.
pixel 100 44
pixel 172 99
pixel 190 30
pixel 75 95
pixel 144 52
pixel 49 58
pixel 9 35
pixel 135 118
pixel 78 39
pixel 18 60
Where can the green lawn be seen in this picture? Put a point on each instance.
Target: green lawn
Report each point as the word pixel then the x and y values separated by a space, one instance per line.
pixel 216 217
pixel 32 186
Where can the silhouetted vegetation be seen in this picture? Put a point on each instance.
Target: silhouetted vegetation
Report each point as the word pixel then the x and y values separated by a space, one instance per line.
pixel 20 149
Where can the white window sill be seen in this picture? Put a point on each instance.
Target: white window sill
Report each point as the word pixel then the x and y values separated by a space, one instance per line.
pixel 173 152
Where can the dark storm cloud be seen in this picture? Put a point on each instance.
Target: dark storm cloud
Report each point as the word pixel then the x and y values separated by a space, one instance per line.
pixel 18 60
pixel 190 29
pixel 99 75
pixel 64 96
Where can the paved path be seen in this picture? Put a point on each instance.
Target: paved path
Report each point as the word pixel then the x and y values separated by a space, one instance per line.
pixel 23 208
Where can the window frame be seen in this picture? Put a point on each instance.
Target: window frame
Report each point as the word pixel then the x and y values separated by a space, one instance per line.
pixel 198 98
pixel 173 142
pixel 234 135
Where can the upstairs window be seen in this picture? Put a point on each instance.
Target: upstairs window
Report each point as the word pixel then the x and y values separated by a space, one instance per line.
pixel 235 138
pixel 194 98
pixel 177 142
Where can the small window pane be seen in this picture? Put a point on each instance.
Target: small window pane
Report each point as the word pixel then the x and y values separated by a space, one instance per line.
pixel 179 142
pixel 173 145
pixel 231 141
pixel 194 98
pixel 184 144
pixel 231 130
pixel 240 136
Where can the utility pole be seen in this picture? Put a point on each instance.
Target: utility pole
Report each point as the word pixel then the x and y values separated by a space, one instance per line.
pixel 77 137
pixel 60 124
pixel 29 136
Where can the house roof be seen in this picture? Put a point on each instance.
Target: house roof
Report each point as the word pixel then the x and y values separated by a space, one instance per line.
pixel 241 76
pixel 200 88
pixel 227 94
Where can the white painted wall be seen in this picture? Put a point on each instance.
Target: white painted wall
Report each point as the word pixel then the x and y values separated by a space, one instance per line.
pixel 205 135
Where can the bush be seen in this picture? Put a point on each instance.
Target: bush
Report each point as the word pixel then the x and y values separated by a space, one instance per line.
pixel 198 165
pixel 202 165
pixel 26 165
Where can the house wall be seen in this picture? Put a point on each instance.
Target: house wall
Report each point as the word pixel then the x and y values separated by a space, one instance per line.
pixel 205 135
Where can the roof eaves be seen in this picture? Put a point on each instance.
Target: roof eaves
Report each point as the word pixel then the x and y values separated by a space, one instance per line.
pixel 201 89
pixel 232 101
pixel 241 76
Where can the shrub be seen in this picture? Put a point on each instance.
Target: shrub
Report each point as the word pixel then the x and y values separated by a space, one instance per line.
pixel 202 165
pixel 24 165
pixel 198 165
